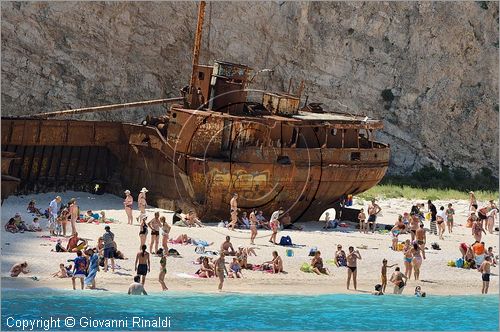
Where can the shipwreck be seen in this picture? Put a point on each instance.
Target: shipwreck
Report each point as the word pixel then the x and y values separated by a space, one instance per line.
pixel 272 148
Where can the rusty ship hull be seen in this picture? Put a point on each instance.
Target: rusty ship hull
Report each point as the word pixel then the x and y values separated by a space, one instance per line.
pixel 69 154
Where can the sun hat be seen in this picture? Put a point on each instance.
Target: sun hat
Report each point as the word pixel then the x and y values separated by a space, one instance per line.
pixel 127 191
pixel 144 190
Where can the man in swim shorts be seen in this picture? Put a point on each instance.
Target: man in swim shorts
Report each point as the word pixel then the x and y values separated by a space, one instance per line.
pixel 352 258
pixel 420 236
pixel 220 268
pixel 373 210
pixel 485 276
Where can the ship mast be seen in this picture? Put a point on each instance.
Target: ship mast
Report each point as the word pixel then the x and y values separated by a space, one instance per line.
pixel 196 50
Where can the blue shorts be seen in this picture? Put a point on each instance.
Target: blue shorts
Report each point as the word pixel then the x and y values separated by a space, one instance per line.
pixel 109 252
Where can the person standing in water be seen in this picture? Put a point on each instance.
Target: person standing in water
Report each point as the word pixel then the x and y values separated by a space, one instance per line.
pixel 155 225
pixel 397 279
pixel 142 263
pixel 253 226
pixel 352 258
pixel 163 271
pixel 141 200
pixel 128 205
pixel 136 288
pixel 233 211
pixel 220 269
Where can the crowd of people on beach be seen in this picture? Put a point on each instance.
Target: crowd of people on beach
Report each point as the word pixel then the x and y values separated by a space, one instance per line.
pixel 212 263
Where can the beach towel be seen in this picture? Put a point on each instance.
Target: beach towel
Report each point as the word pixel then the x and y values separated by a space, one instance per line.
pixel 201 243
pixel 94 264
pixel 306 267
pixel 187 275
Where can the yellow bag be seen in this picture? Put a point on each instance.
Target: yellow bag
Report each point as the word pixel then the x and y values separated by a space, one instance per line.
pixel 428 216
pixel 400 246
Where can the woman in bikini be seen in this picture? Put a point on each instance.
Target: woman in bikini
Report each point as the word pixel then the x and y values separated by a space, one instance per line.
pixel 408 258
pixel 142 264
pixel 163 271
pixel 472 202
pixel 491 220
pixel 477 230
pixel 128 204
pixel 276 264
pixel 165 227
pixel 395 233
pixel 253 226
pixel 206 269
pixel 417 253
pixel 143 233
pixel 317 264
pixel 450 212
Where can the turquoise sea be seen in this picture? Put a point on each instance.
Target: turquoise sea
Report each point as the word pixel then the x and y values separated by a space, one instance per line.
pixel 45 309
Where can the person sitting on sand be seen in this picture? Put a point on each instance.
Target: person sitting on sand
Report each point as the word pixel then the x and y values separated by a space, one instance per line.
pixel 235 269
pixel 418 292
pixel 75 243
pixel 286 222
pixel 193 220
pixel 479 250
pixel 340 257
pixel 33 209
pixel 10 226
pixel 35 226
pixel 19 222
pixel 378 290
pixel 136 288
pixel 62 273
pixel 18 268
pixel 206 269
pixel 263 223
pixel 242 257
pixel 91 217
pixel 245 220
pixel 227 247
pixel 317 264
pixel 276 264
pixel 397 279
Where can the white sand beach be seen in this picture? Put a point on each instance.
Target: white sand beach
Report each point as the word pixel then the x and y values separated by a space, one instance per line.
pixel 436 277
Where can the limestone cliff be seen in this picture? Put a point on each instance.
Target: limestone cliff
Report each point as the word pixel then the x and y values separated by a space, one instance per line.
pixel 429 70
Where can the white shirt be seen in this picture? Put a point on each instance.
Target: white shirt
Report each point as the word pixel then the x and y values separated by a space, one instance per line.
pixel 54 208
pixel 442 214
pixel 275 215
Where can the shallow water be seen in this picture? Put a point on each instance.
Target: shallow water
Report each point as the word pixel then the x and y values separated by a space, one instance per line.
pixel 191 311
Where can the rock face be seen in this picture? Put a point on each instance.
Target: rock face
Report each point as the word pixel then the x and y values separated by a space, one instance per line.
pixel 429 70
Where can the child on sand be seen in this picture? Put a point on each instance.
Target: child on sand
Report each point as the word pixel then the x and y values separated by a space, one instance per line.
pixel 62 273
pixel 384 274
pixel 235 269
pixel 362 222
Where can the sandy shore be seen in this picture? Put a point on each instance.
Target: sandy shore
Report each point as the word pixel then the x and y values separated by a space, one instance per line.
pixel 436 277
